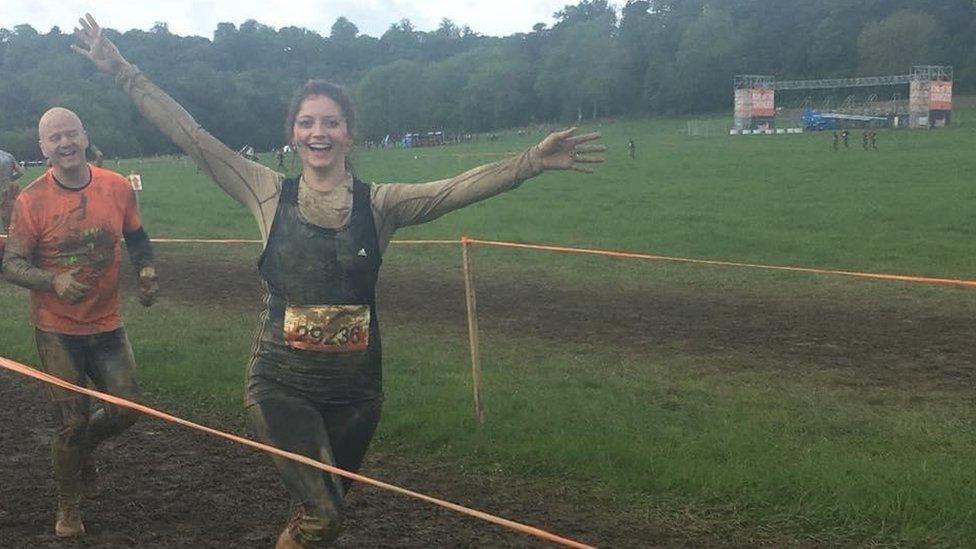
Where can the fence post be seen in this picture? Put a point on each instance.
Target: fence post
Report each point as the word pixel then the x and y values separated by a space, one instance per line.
pixel 469 297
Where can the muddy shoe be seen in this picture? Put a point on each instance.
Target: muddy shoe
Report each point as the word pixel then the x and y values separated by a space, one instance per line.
pixel 69 523
pixel 290 537
pixel 286 541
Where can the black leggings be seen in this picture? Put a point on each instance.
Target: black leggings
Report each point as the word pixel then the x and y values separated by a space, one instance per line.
pixel 333 434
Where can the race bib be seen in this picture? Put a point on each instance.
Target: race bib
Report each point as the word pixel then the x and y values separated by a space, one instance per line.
pixel 327 328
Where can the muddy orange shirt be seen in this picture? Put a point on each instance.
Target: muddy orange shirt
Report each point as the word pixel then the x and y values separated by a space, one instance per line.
pixel 67 229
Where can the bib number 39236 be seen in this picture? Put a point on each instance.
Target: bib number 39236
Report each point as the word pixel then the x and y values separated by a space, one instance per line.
pixel 327 328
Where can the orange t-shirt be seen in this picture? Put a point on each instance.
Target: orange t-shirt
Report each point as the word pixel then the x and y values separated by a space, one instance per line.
pixel 82 228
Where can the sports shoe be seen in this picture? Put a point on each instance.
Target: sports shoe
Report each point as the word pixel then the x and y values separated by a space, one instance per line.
pixel 291 536
pixel 286 541
pixel 69 523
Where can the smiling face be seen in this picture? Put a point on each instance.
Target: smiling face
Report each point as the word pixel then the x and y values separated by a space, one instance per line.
pixel 62 139
pixel 321 134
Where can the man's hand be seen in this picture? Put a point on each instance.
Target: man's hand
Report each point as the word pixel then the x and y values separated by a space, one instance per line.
pixel 565 151
pixel 68 289
pixel 148 286
pixel 101 51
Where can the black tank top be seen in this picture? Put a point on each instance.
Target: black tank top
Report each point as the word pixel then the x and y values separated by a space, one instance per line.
pixel 307 265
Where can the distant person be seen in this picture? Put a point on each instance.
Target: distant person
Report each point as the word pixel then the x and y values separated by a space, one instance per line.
pixel 10 171
pixel 845 136
pixel 280 155
pixel 836 140
pixel 874 140
pixel 135 180
pixel 247 152
pixel 631 149
pixel 314 381
pixel 65 247
pixel 98 157
pixel 864 140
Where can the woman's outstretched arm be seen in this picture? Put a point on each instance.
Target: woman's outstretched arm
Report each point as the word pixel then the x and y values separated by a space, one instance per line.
pixel 397 205
pixel 250 183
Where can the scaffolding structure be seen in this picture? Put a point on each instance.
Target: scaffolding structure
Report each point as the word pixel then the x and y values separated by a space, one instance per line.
pixel 930 96
pixel 755 103
pixel 929 105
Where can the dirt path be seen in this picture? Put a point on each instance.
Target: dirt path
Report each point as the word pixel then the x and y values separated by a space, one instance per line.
pixel 167 487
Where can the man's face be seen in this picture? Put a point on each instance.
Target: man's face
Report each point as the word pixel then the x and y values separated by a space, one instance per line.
pixel 63 139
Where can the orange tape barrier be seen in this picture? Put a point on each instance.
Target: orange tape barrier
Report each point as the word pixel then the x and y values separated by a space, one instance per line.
pixel 632 255
pixel 245 241
pixel 204 241
pixel 530 530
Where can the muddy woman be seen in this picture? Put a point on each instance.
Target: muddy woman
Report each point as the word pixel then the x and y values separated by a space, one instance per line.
pixel 314 380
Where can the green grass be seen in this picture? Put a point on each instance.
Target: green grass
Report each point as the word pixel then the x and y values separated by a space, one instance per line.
pixel 787 454
pixel 793 449
pixel 773 199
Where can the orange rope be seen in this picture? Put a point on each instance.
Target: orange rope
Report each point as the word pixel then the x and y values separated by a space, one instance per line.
pixel 247 241
pixel 423 242
pixel 632 255
pixel 204 241
pixel 530 530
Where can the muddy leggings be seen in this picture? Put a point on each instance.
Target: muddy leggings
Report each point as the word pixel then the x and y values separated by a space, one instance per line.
pixel 336 435
pixel 105 359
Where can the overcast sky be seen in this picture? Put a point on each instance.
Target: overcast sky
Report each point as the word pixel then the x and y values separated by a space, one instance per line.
pixel 200 17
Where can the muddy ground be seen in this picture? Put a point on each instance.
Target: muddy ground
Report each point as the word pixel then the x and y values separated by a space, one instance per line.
pixel 163 486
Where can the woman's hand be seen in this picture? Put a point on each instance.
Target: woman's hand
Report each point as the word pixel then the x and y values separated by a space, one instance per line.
pixel 564 151
pixel 101 51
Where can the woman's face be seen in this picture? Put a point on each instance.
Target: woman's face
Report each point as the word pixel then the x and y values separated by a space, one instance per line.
pixel 320 133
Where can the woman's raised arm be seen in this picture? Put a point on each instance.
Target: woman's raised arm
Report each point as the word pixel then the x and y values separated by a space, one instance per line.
pixel 250 183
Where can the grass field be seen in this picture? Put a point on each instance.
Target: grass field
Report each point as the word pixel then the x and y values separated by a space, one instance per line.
pixel 763 406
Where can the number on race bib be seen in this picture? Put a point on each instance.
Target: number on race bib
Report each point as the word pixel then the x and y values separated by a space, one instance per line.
pixel 327 328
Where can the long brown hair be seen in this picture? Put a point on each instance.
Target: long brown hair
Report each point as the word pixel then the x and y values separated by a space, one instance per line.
pixel 333 92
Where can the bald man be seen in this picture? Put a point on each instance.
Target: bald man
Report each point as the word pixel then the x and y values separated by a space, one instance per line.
pixel 65 247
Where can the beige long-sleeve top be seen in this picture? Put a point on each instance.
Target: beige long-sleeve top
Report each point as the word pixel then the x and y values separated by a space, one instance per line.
pixel 257 187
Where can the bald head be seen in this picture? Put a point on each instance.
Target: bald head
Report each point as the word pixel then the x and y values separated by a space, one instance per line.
pixel 63 140
pixel 56 118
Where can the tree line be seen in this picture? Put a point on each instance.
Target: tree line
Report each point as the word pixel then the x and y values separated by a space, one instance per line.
pixel 647 57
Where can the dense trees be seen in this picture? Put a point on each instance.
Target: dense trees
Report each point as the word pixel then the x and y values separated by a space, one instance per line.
pixel 648 56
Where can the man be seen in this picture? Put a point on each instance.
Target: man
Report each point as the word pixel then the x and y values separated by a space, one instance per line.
pixel 10 171
pixel 97 154
pixel 65 246
pixel 280 155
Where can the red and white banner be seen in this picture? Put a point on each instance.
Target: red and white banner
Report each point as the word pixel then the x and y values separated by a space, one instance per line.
pixel 940 96
pixel 763 103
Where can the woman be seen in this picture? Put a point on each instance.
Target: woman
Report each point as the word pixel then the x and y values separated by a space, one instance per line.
pixel 314 380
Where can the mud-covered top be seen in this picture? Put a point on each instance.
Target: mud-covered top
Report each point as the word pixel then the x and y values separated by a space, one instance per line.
pixel 58 229
pixel 258 187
